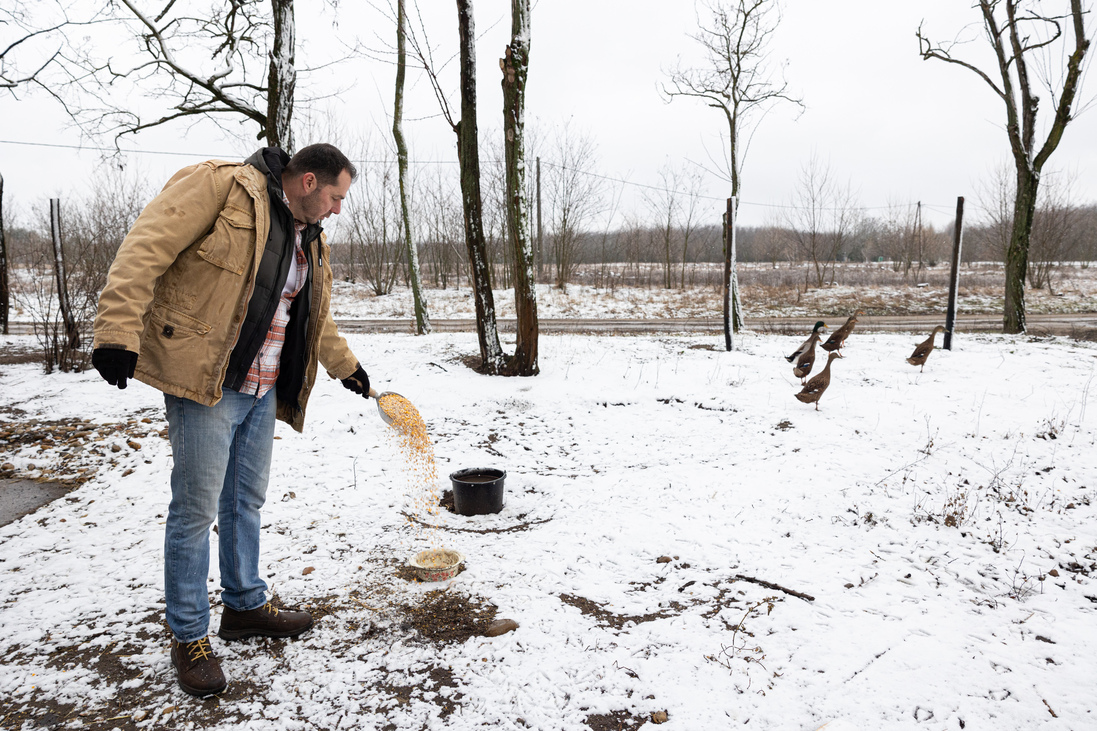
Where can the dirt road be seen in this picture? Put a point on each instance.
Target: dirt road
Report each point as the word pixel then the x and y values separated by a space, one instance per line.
pixel 1069 324
pixel 1076 324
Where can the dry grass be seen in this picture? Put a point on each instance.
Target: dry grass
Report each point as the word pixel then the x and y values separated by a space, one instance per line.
pixel 786 290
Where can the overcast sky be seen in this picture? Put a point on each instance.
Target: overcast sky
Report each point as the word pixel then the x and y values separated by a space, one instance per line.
pixel 896 128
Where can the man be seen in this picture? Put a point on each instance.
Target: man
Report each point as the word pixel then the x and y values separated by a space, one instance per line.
pixel 219 297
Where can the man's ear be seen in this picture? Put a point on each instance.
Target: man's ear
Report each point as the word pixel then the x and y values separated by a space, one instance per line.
pixel 309 182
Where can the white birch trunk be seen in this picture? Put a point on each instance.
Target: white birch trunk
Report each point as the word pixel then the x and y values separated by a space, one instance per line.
pixel 422 320
pixel 282 77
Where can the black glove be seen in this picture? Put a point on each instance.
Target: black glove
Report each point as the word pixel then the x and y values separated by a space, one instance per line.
pixel 357 382
pixel 115 364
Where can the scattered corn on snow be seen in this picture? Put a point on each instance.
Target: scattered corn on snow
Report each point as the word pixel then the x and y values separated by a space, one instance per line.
pixel 943 521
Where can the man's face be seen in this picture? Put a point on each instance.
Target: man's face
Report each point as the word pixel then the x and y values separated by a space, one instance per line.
pixel 320 201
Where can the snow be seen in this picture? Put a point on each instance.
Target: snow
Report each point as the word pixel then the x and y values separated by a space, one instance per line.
pixel 922 513
pixel 763 295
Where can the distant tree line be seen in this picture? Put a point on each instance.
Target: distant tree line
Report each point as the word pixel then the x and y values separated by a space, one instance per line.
pixel 643 250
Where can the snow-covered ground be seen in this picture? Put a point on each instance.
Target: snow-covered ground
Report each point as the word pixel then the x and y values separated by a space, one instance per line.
pixel 918 553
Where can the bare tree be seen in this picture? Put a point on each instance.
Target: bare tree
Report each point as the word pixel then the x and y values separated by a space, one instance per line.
pixel 1055 229
pixel 28 47
pixel 665 201
pixel 1024 33
pixel 608 239
pixel 62 293
pixel 995 196
pixel 820 218
pixel 515 67
pixel 736 78
pixel 468 158
pixel 375 229
pixel 33 41
pixel 443 233
pixel 573 196
pixel 894 234
pixel 422 320
pixel 231 60
pixel 692 183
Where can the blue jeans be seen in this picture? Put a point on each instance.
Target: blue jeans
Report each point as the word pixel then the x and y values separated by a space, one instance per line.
pixel 221 458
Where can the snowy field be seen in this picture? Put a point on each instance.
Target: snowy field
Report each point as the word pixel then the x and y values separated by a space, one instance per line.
pixel 918 553
pixel 766 292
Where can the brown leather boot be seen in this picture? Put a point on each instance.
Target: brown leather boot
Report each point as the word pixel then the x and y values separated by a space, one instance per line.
pixel 196 668
pixel 266 621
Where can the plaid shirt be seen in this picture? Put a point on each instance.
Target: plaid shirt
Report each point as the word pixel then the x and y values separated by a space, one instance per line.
pixel 263 373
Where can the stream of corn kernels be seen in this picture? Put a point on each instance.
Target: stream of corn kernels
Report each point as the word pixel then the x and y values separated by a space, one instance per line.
pixel 409 431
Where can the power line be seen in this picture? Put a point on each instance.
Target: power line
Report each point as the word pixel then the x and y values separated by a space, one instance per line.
pixel 92 148
pixel 943 209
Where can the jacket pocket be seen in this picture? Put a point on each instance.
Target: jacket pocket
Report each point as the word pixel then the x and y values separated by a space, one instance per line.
pixel 177 352
pixel 168 323
pixel 230 244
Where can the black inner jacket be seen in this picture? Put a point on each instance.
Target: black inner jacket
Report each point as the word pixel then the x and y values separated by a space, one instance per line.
pixel 278 257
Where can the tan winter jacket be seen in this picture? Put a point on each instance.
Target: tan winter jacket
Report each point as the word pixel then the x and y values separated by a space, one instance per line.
pixel 179 287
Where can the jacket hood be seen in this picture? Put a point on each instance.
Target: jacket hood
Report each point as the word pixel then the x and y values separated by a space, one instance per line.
pixel 270 161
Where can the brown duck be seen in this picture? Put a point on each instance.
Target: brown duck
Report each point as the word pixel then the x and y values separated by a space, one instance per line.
pixel 838 338
pixel 813 390
pixel 803 357
pixel 922 351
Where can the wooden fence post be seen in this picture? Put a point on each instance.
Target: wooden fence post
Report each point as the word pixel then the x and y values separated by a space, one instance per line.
pixel 72 334
pixel 729 228
pixel 954 279
pixel 5 290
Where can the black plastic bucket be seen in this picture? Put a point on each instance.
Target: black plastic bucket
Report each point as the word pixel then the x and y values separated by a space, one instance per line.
pixel 478 490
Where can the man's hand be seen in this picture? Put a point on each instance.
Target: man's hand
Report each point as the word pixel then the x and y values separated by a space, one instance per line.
pixel 357 382
pixel 114 363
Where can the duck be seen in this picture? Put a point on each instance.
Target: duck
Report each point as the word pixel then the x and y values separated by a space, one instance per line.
pixel 838 338
pixel 813 390
pixel 804 356
pixel 923 349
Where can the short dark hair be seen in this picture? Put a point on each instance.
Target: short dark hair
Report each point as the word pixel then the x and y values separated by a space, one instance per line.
pixel 324 161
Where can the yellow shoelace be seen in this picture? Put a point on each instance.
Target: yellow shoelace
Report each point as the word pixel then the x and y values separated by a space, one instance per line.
pixel 199 650
pixel 271 608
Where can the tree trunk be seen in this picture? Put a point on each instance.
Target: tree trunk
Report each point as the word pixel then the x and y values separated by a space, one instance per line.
pixel 72 334
pixel 1024 207
pixel 540 230
pixel 281 77
pixel 736 314
pixel 515 66
pixel 468 157
pixel 668 262
pixel 729 341
pixel 685 256
pixel 5 291
pixel 422 320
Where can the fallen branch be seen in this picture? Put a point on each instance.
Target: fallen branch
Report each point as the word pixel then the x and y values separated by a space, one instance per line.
pixel 776 587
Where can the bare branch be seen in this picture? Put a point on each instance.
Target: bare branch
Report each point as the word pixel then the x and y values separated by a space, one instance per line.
pixel 737 80
pixel 1016 40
